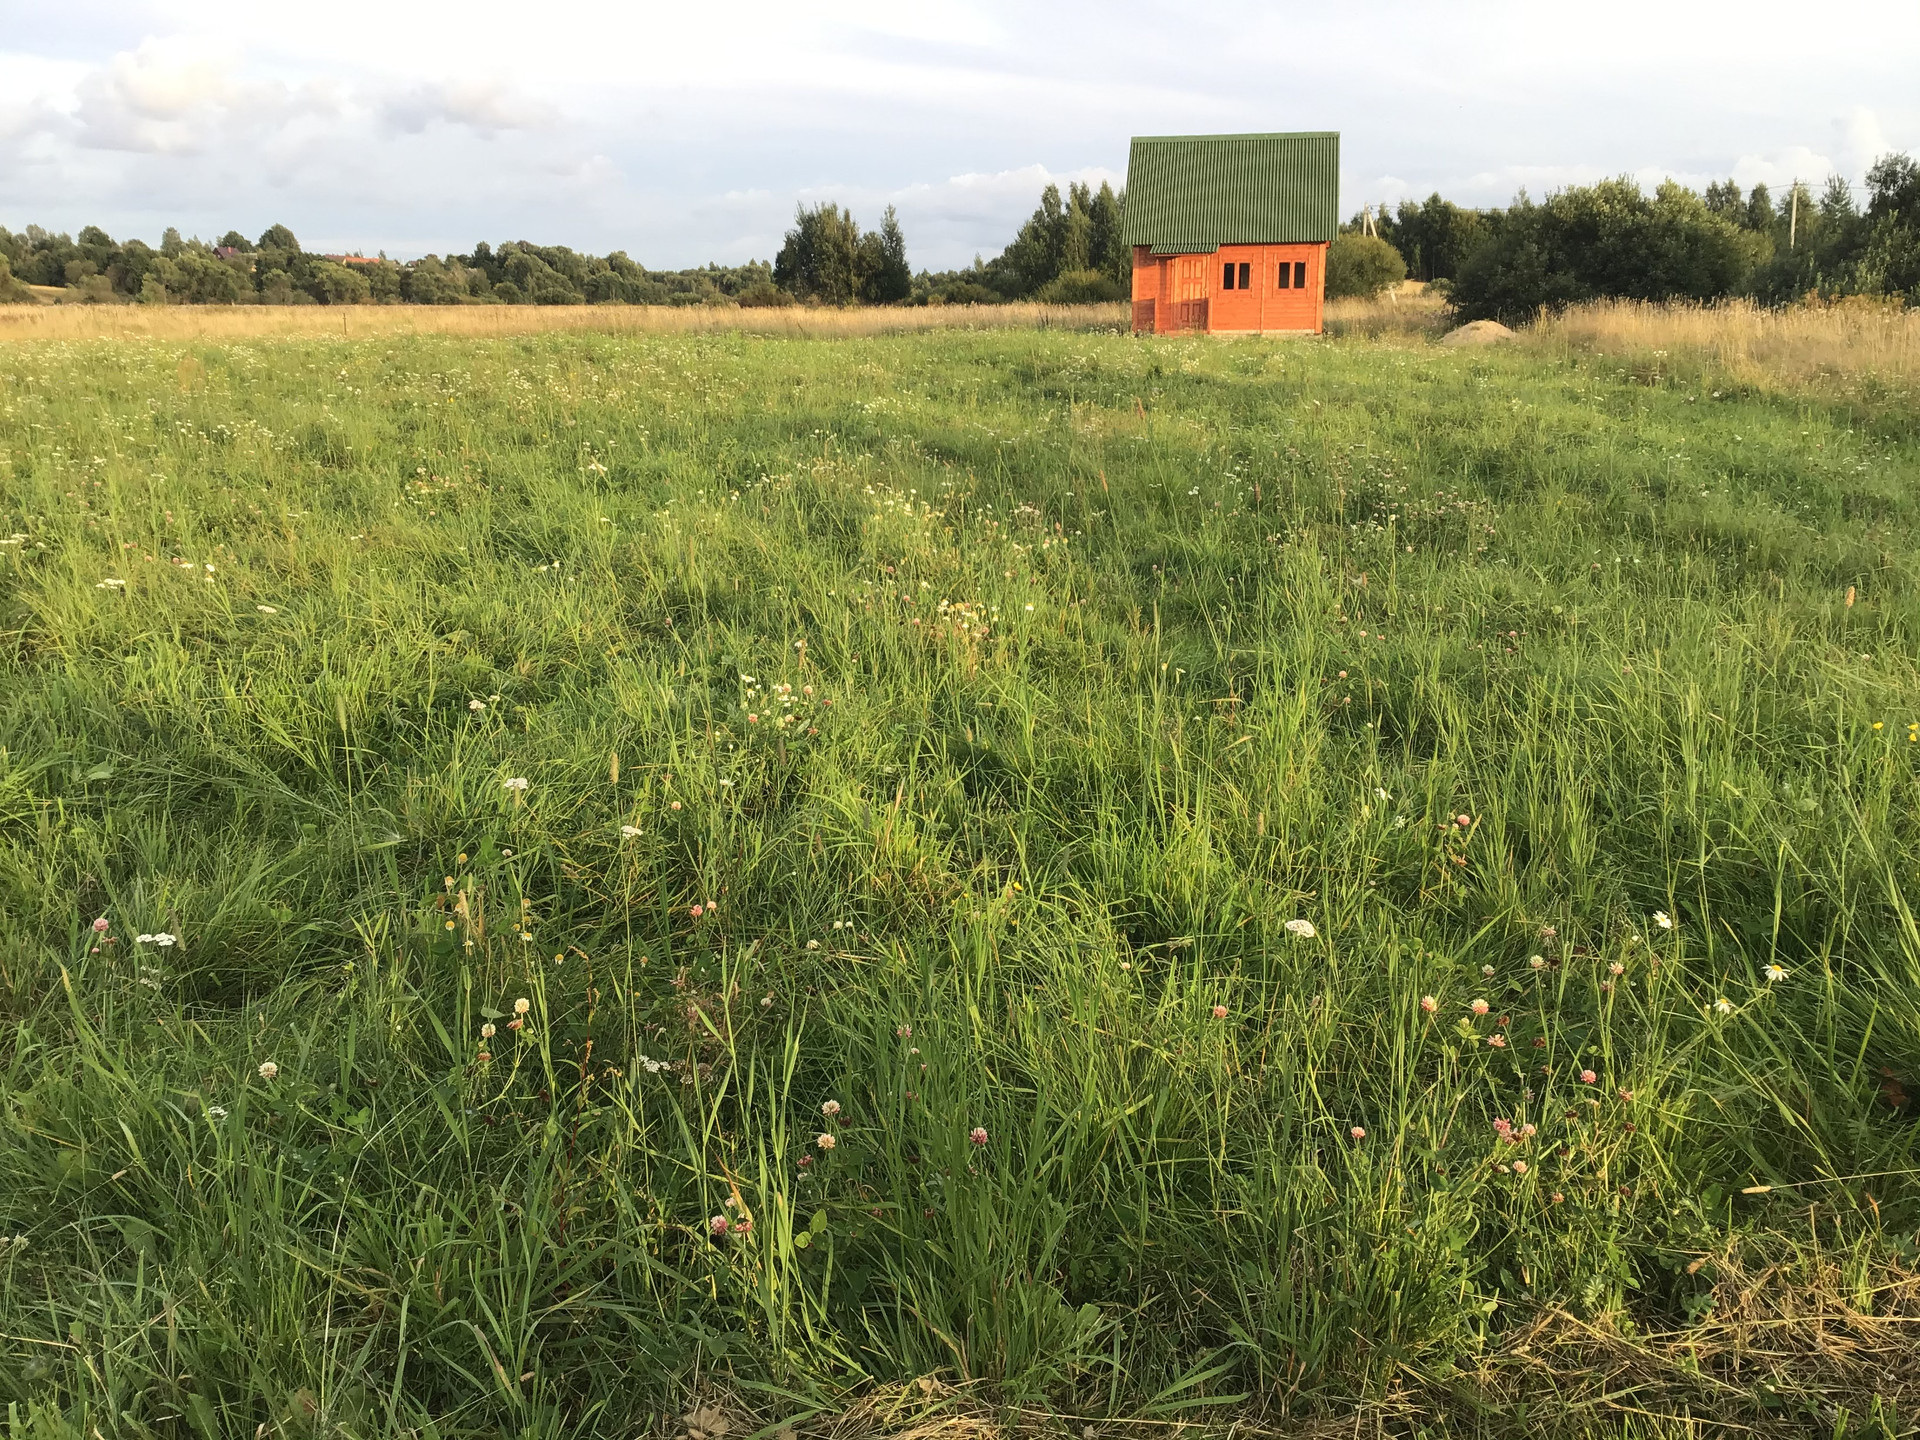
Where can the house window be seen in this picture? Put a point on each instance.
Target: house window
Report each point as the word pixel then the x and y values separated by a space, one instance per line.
pixel 1286 276
pixel 1299 274
pixel 1246 276
pixel 1226 276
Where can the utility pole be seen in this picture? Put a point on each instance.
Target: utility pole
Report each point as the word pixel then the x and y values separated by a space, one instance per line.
pixel 1793 215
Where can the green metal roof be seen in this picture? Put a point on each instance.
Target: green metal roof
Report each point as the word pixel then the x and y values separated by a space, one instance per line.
pixel 1193 193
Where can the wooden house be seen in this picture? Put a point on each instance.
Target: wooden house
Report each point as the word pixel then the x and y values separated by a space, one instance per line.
pixel 1230 232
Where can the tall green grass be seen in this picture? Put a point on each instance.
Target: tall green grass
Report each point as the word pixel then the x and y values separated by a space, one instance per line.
pixel 1107 660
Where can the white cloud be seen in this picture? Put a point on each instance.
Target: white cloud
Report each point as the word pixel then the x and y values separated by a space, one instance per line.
pixel 483 106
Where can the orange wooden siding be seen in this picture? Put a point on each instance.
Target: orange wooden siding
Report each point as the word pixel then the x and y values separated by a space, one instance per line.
pixel 1173 293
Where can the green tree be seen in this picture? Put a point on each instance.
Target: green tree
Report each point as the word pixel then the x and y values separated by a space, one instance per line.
pixel 12 291
pixel 885 276
pixel 279 237
pixel 1723 198
pixel 1760 215
pixel 1433 237
pixel 1609 239
pixel 1362 266
pixel 820 259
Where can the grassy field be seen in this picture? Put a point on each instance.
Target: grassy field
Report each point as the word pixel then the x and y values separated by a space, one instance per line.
pixel 595 885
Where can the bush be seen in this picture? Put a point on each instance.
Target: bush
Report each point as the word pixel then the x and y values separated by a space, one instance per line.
pixel 1361 266
pixel 968 292
pixel 1080 287
pixel 12 292
pixel 763 294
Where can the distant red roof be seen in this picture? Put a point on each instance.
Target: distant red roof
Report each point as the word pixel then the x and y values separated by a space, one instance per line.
pixel 353 259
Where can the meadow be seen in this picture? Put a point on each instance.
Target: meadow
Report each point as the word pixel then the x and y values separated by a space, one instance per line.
pixel 714 884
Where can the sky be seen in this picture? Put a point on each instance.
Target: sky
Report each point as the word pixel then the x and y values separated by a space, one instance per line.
pixel 688 133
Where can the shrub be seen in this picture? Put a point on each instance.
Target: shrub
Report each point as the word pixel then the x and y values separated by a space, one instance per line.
pixel 1080 287
pixel 1362 266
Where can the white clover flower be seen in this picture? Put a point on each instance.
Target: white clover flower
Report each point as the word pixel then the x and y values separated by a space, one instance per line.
pixel 518 783
pixel 268 1070
pixel 1301 929
pixel 522 1005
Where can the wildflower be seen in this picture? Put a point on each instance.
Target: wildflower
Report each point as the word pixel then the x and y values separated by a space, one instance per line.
pixel 1479 1007
pixel 160 938
pixel 517 1023
pixel 901 1032
pixel 1723 1006
pixel 1301 929
pixel 751 720
pixel 487 1031
pixel 813 944
pixel 216 1112
pixel 696 911
pixel 743 1226
pixel 1556 1197
pixel 266 610
pixel 100 925
pixel 1380 794
pixel 1663 920
pixel 1626 1095
pixel 1463 821
pixel 830 1108
pixel 1486 972
pixel 674 806
pixel 121 585
pixel 1219 1012
pixel 805 1161
pixel 1497 1041
pixel 1429 1004
pixel 1519 1167
pixel 1537 962
pixel 522 1005
pixel 978 1135
pixel 628 832
pixel 1773 973
pixel 825 1141
pixel 1358 1132
pixel 1616 968
pixel 766 1001
pixel 268 1069
pixel 1587 1077
pixel 719 1225
pixel 476 706
pixel 518 783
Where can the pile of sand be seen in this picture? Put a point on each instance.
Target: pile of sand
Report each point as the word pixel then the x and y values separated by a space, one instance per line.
pixel 1479 332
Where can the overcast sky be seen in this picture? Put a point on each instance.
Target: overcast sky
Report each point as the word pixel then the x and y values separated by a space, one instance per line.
pixel 686 133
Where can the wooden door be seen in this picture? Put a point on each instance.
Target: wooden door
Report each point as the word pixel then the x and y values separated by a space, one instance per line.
pixel 1190 292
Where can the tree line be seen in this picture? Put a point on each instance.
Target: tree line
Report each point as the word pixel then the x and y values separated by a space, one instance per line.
pixel 1585 242
pixel 1069 251
pixel 275 270
pixel 1614 240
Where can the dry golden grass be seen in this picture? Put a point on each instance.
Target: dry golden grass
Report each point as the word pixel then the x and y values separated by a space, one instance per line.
pixel 246 322
pixel 1800 344
pixel 1412 312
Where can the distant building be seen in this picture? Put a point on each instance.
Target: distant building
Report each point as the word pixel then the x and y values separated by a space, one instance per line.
pixel 1230 232
pixel 227 252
